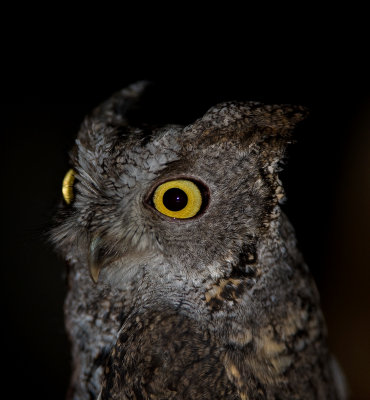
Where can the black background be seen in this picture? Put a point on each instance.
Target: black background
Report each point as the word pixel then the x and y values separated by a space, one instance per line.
pixel 50 82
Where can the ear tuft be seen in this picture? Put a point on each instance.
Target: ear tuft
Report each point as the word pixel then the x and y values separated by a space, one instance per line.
pixel 245 123
pixel 111 114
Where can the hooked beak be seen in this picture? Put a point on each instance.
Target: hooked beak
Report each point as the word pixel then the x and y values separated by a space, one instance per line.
pixel 94 261
pixel 100 256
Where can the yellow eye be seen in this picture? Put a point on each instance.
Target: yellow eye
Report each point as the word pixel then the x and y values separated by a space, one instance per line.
pixel 67 188
pixel 178 199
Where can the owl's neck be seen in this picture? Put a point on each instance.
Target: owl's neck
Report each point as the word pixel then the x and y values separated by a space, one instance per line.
pixel 209 288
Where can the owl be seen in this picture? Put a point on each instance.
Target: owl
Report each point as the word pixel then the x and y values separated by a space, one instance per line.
pixel 184 277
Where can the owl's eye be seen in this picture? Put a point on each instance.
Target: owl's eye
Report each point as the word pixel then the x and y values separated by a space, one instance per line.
pixel 67 187
pixel 179 198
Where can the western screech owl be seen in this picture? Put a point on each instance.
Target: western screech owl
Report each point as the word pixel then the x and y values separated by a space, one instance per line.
pixel 185 281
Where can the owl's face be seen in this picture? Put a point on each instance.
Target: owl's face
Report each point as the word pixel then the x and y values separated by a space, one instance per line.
pixel 177 202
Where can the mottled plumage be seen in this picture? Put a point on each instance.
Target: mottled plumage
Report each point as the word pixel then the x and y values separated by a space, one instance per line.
pixel 217 306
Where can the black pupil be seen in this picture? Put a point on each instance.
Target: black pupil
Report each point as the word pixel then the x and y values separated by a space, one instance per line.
pixel 175 199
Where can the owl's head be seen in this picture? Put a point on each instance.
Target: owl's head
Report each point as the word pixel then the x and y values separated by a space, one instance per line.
pixel 171 199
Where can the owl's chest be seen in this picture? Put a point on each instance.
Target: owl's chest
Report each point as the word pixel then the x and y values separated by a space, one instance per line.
pixel 249 328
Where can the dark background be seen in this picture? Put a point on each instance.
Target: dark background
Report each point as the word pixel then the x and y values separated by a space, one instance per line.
pixel 47 89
